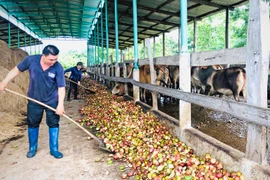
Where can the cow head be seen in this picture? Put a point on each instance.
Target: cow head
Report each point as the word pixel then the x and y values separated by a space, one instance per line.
pixel 119 89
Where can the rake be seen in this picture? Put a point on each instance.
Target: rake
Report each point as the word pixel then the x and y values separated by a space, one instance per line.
pixel 100 142
pixel 87 89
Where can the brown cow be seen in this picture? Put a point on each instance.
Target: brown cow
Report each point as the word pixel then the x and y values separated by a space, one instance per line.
pixel 198 84
pixel 144 77
pixel 174 75
pixel 222 81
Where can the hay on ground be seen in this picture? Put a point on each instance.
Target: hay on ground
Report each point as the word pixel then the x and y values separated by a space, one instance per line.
pixel 11 125
pixel 10 102
pixel 5 55
pixel 17 55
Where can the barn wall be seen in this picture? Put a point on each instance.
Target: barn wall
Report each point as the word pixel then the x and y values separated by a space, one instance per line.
pixel 232 159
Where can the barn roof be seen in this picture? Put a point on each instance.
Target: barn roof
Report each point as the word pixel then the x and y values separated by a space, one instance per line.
pixel 74 18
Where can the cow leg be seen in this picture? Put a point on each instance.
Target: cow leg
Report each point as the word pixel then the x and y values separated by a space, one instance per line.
pixel 143 95
pixel 236 91
pixel 244 94
pixel 207 89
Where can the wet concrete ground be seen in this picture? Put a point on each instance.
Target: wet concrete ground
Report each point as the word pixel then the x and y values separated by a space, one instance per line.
pixel 222 126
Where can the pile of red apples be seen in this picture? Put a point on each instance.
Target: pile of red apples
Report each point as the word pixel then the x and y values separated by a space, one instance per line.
pixel 144 143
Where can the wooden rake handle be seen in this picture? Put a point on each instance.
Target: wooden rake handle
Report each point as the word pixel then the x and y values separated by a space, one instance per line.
pixel 76 83
pixel 38 102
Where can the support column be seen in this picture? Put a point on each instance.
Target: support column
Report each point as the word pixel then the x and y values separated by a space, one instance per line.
pixel 258 45
pixel 136 89
pixel 184 68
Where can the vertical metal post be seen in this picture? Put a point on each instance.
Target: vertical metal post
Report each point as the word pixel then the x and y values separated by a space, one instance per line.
pixel 136 89
pixel 18 40
pixel 184 27
pixel 135 29
pixel 98 43
pixel 227 43
pixel 116 30
pixel 144 49
pixel 163 44
pixel 227 28
pixel 88 52
pixel 30 44
pixel 9 41
pixel 179 39
pixel 102 44
pixel 154 54
pixel 35 47
pixel 107 39
pixel 194 34
pixel 24 41
pixel 95 45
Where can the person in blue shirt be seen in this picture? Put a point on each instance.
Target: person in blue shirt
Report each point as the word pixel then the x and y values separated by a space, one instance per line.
pixel 76 75
pixel 47 85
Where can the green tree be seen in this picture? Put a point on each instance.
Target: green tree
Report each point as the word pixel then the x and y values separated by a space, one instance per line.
pixel 211 33
pixel 71 58
pixel 238 26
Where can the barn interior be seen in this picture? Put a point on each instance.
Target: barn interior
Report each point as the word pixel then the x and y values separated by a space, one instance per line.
pixel 26 23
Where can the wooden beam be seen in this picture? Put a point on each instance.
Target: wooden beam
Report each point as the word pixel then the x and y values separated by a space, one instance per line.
pixel 257 75
pixel 223 56
pixel 152 74
pixel 248 113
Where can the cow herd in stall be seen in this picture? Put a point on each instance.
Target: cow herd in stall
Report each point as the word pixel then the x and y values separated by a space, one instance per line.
pixel 208 80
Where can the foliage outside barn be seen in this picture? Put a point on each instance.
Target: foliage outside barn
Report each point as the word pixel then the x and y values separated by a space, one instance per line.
pixel 210 36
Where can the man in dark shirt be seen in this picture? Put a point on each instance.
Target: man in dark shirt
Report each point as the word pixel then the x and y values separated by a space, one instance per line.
pixel 47 85
pixel 76 75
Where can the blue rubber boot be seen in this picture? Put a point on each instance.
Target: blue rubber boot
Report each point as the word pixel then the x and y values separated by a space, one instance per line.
pixel 33 142
pixel 54 132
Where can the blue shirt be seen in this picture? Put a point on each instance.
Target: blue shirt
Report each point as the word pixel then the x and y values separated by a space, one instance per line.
pixel 76 74
pixel 43 84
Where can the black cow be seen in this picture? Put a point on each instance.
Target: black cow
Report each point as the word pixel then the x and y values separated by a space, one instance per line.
pixel 222 81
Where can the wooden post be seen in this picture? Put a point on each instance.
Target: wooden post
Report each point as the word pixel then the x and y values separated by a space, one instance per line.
pixel 117 70
pixel 125 76
pixel 136 89
pixel 107 73
pixel 152 74
pixel 102 66
pixel 184 69
pixel 112 66
pixel 257 75
pixel 184 84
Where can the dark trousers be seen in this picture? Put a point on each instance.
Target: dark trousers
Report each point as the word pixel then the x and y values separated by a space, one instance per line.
pixel 75 88
pixel 35 114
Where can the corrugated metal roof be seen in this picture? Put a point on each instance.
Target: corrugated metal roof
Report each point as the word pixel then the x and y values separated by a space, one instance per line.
pixel 73 18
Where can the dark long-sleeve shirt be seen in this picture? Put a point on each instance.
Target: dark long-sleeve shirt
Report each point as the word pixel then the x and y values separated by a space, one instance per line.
pixel 76 74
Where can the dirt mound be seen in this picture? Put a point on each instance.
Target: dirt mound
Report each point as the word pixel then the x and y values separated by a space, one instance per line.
pixel 12 106
pixel 10 102
pixel 13 125
pixel 17 55
pixel 5 58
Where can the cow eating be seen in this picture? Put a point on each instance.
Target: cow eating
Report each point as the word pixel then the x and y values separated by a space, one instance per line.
pixel 230 81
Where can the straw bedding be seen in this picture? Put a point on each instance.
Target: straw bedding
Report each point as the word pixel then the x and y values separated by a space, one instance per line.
pixel 12 106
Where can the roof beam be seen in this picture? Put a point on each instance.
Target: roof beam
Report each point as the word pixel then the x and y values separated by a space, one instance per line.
pixel 209 3
pixel 158 10
pixel 13 3
pixel 19 14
